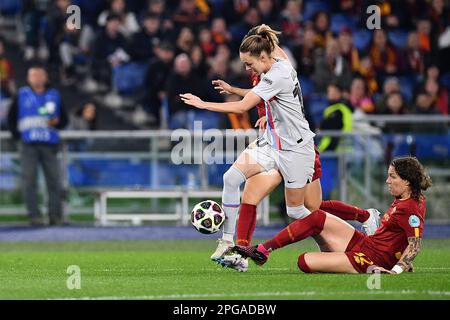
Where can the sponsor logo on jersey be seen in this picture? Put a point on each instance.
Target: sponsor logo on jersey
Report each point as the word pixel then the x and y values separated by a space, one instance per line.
pixel 414 221
pixel 270 82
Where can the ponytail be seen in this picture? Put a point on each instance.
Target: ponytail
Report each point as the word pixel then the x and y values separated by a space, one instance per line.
pixel 258 39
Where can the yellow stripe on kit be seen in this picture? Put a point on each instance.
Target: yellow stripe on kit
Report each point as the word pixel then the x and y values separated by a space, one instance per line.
pixel 416 232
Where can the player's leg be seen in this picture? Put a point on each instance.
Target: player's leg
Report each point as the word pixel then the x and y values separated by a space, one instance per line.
pixel 313 200
pixel 259 186
pixel 244 167
pixel 344 211
pixel 313 195
pixel 336 233
pixel 295 202
pixel 370 218
pixel 297 168
pixel 325 262
pixel 256 188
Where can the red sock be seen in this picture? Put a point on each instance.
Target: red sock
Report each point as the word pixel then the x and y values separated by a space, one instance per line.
pixel 298 230
pixel 302 265
pixel 246 224
pixel 344 211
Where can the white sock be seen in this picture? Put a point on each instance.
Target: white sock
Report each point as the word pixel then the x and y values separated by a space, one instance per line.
pixel 299 212
pixel 231 200
pixel 228 237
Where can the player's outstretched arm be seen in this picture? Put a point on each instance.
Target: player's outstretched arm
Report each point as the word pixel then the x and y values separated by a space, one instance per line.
pixel 250 100
pixel 224 87
pixel 410 253
pixel 405 261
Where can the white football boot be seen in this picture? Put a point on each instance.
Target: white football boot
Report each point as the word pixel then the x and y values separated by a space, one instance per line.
pixel 222 248
pixel 234 261
pixel 372 223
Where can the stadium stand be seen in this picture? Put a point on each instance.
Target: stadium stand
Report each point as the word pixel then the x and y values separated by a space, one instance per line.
pixel 120 99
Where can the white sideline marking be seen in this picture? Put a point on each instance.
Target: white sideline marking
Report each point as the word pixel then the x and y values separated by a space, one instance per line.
pixel 259 294
pixel 178 269
pixel 270 269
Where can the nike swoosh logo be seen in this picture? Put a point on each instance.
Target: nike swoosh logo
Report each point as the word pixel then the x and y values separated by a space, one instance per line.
pixel 291 181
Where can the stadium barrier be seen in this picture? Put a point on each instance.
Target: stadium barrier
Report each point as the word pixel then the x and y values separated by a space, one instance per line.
pixel 140 163
pixel 181 213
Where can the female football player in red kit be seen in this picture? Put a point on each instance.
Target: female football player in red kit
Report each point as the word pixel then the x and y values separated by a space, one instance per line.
pixel 391 249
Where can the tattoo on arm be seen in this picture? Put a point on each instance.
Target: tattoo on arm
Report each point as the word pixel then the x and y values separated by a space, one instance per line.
pixel 411 251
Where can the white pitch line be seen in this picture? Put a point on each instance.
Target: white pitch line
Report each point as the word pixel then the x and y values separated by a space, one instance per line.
pixel 260 294
pixel 204 269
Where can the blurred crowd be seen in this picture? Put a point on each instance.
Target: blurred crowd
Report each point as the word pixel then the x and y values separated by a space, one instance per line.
pixel 139 55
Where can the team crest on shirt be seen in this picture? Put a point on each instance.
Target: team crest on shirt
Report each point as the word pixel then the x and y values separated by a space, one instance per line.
pixel 387 216
pixel 414 221
pixel 270 82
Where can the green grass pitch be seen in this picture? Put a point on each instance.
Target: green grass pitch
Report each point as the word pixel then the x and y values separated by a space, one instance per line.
pixel 181 269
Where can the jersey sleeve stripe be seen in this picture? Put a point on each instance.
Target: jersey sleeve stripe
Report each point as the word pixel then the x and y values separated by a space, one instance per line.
pixel 271 126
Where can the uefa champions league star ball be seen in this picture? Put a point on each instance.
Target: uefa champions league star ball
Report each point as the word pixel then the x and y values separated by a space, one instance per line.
pixel 207 217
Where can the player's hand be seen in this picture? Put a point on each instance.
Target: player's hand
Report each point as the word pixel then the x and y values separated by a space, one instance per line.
pixel 221 86
pixel 261 123
pixel 192 100
pixel 378 269
pixel 410 268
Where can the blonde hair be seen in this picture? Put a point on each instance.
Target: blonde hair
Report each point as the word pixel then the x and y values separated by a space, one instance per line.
pixel 258 39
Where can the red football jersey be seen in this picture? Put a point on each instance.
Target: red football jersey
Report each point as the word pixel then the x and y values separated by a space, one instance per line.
pixel 404 219
pixel 260 107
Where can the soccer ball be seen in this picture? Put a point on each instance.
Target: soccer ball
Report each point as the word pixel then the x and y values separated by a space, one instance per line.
pixel 207 217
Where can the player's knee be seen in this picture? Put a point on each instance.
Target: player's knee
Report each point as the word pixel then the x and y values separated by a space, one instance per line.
pixel 318 219
pixel 313 204
pixel 233 177
pixel 302 265
pixel 299 212
pixel 250 197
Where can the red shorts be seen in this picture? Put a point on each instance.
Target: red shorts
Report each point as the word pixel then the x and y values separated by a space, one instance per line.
pixel 359 258
pixel 317 166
